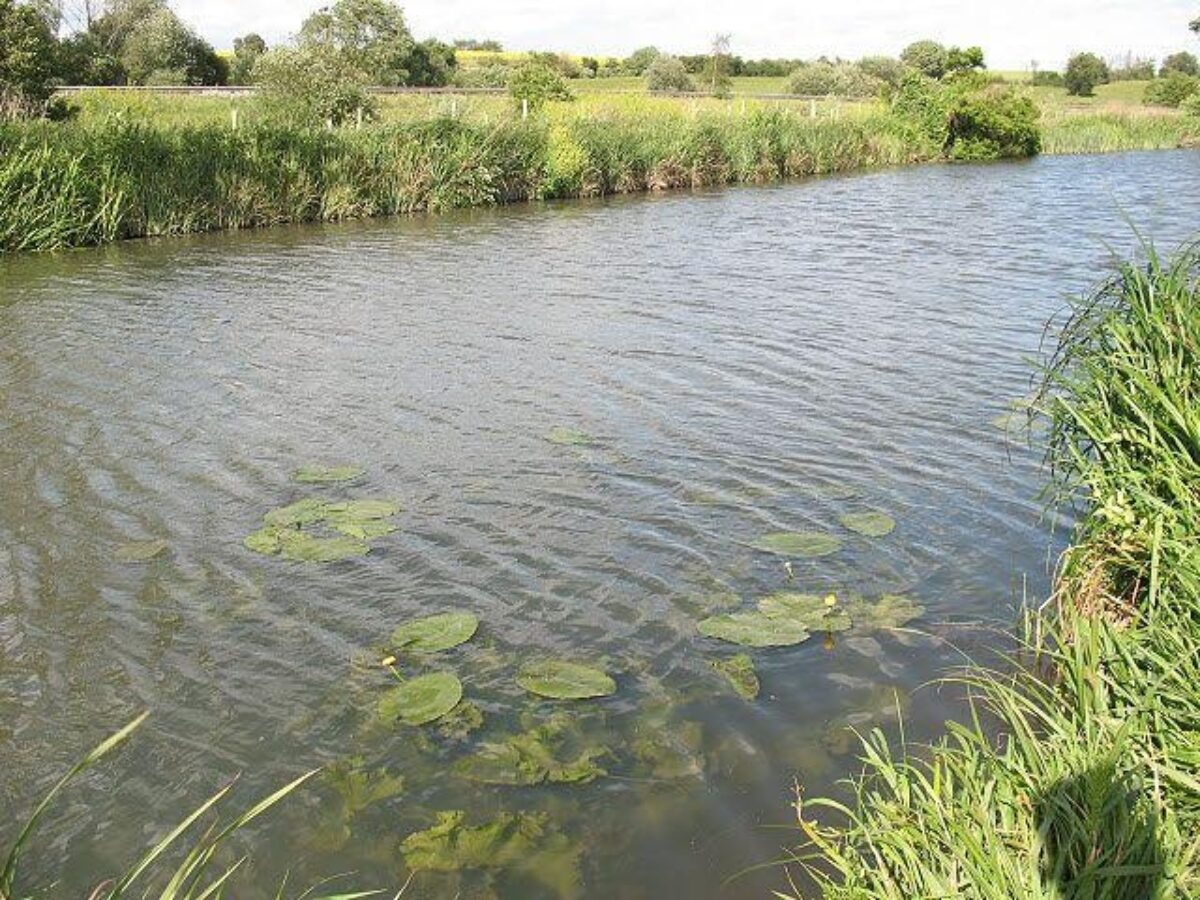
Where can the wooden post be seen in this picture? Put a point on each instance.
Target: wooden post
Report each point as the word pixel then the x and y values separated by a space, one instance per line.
pixel 454 107
pixel 233 117
pixel 524 109
pixel 358 119
pixel 812 109
pixel 329 124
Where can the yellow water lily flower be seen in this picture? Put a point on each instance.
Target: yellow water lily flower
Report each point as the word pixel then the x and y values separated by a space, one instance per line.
pixel 388 661
pixel 831 600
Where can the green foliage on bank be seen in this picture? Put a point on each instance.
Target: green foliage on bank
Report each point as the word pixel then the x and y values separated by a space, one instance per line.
pixel 1077 777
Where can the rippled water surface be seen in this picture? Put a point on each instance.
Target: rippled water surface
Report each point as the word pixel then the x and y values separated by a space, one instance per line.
pixel 741 360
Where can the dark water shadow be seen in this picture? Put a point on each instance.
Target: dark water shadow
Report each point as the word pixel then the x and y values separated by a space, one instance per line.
pixel 1100 837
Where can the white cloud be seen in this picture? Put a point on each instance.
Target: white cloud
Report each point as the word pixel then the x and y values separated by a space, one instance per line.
pixel 1012 32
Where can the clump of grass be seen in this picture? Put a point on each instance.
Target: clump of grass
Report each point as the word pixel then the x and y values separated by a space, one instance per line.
pixel 197 876
pixel 1068 132
pixel 1077 774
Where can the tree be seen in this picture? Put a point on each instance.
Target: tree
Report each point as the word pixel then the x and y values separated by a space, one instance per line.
pixel 718 67
pixel 1183 62
pixel 246 51
pixel 1084 72
pixel 968 60
pixel 370 36
pixel 27 51
pixel 639 60
pixel 536 83
pixel 431 64
pixel 927 57
pixel 667 73
pixel 151 43
pixel 310 86
pixel 885 68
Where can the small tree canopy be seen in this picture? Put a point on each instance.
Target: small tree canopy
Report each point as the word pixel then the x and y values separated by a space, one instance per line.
pixel 667 73
pixel 927 57
pixel 27 51
pixel 1183 62
pixel 537 83
pixel 1084 72
pixel 370 35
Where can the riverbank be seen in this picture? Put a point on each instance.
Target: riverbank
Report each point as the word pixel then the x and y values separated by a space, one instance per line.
pixel 101 180
pixel 1083 781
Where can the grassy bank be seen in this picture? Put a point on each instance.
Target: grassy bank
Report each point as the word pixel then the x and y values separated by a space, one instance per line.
pixel 1084 781
pixel 64 185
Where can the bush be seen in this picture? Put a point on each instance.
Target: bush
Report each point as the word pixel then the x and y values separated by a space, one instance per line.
pixel 1047 79
pixel 822 79
pixel 886 68
pixel 667 73
pixel 995 123
pixel 928 57
pixel 495 75
pixel 1171 90
pixel 26 59
pixel 1084 72
pixel 639 60
pixel 310 86
pixel 1191 106
pixel 1185 63
pixel 536 84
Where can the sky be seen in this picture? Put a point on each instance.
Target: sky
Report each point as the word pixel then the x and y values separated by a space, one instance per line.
pixel 1013 33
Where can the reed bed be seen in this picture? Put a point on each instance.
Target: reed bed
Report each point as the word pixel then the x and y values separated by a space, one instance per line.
pixel 1100 131
pixel 65 185
pixel 1078 775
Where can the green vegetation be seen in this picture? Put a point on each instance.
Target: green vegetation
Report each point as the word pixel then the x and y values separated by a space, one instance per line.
pixel 199 874
pixel 558 679
pixel 1172 89
pixel 1084 72
pixel 1080 780
pixel 667 73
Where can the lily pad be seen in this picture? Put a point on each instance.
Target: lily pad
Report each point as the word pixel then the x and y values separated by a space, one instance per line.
pixel 562 680
pixel 869 524
pixel 301 546
pixel 302 512
pixel 327 474
pixel 569 437
pixel 544 754
pixel 363 531
pixel 141 551
pixel 433 634
pixel 754 629
pixel 265 541
pixel 799 543
pixel 522 842
pixel 361 510
pixel 421 700
pixel 813 612
pixel 890 611
pixel 739 670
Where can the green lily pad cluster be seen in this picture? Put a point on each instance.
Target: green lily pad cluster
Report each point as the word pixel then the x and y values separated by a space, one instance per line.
pixel 785 619
pixel 521 842
pixel 435 695
pixel 547 753
pixel 314 530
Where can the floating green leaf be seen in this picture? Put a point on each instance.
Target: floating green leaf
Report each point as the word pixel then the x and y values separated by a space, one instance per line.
pixel 365 530
pixel 265 541
pixel 141 551
pixel 361 510
pixel 300 546
pixel 562 680
pixel 569 437
pixel 754 629
pixel 890 611
pixel 433 634
pixel 421 700
pixel 302 512
pixel 799 543
pixel 813 612
pixel 540 755
pixel 869 524
pixel 739 670
pixel 523 842
pixel 327 474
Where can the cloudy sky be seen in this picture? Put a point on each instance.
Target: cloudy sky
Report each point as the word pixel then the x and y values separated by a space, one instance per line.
pixel 1012 32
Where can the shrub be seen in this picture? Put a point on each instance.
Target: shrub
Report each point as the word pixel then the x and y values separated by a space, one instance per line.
pixel 639 60
pixel 822 79
pixel 928 57
pixel 1084 72
pixel 964 60
pixel 536 84
pixel 1191 106
pixel 26 55
pixel 924 105
pixel 310 86
pixel 1171 90
pixel 1047 79
pixel 495 75
pixel 995 123
pixel 1185 63
pixel 886 68
pixel 667 73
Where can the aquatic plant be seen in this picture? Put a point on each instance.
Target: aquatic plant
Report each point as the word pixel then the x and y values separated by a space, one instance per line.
pixel 739 672
pixel 327 474
pixel 1081 778
pixel 141 551
pixel 754 629
pixel 552 752
pixel 420 700
pixel 161 873
pixel 294 531
pixel 869 524
pixel 564 680
pixel 433 634
pixel 569 437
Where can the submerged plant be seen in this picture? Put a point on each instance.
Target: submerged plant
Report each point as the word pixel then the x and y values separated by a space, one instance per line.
pixel 327 474
pixel 141 551
pixel 739 672
pixel 552 752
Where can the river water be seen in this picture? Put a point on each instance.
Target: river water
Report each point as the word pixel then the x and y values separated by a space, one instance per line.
pixel 743 362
